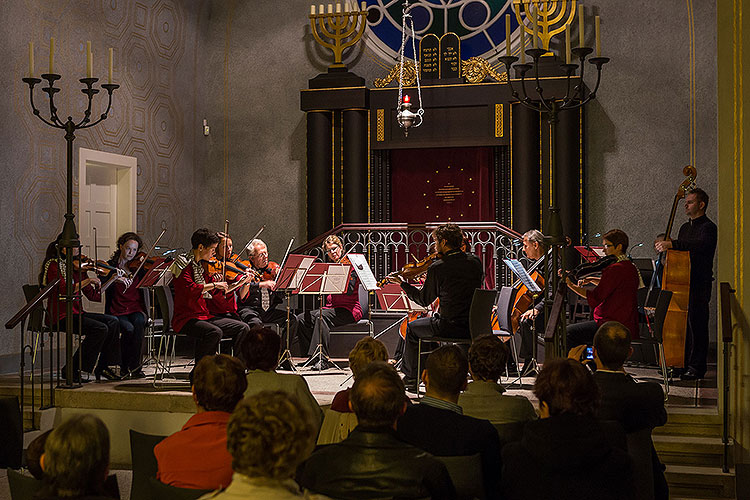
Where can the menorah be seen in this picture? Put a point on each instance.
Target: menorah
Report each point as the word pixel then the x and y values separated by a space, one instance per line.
pixel 576 96
pixel 344 28
pixel 547 18
pixel 69 239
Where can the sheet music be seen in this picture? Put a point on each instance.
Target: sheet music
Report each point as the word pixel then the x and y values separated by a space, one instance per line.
pixel 364 273
pixel 393 299
pixel 326 278
pixel 520 271
pixel 290 276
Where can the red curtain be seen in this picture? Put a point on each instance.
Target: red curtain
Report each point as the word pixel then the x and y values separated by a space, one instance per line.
pixel 442 185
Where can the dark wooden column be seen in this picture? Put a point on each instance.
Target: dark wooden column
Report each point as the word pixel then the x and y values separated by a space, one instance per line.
pixel 355 166
pixel 525 169
pixel 568 153
pixel 319 179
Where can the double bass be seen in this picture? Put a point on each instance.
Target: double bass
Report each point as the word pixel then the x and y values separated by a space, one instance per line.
pixel 676 279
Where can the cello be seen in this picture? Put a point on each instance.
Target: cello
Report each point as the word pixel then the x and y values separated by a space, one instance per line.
pixel 676 279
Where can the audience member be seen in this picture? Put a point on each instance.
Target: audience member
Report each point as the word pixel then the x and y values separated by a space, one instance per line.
pixel 364 352
pixel 372 462
pixel 268 436
pixel 567 453
pixel 483 397
pixel 636 406
pixel 34 455
pixel 438 425
pixel 196 456
pixel 76 460
pixel 260 350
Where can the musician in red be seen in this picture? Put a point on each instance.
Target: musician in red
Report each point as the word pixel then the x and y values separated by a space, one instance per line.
pixel 615 298
pixel 224 304
pixel 124 300
pixel 340 309
pixel 101 332
pixel 192 289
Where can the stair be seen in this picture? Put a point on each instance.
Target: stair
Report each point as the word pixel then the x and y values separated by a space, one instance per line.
pixel 29 422
pixel 691 448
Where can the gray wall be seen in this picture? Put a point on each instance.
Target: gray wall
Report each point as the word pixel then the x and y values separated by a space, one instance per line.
pixel 241 63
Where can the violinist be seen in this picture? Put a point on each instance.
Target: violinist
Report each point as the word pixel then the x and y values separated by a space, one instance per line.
pixel 124 300
pixel 615 297
pixel 222 303
pixel 340 309
pixel 101 332
pixel 452 278
pixel 192 290
pixel 259 306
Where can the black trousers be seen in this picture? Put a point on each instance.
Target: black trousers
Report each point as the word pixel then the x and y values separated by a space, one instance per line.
pixel 424 328
pixel 581 333
pixel 696 339
pixel 100 347
pixel 529 331
pixel 208 333
pixel 132 327
pixel 311 332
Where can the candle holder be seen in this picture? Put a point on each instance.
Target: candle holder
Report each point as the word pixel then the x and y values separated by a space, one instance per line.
pixel 344 29
pixel 69 239
pixel 575 97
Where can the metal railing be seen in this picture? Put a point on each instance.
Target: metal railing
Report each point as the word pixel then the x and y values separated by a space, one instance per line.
pixel 389 247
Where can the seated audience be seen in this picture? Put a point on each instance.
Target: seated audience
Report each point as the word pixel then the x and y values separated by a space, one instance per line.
pixel 196 456
pixel 438 425
pixel 260 349
pixel 34 455
pixel 372 462
pixel 567 453
pixel 635 405
pixel 268 436
pixel 484 398
pixel 76 460
pixel 364 352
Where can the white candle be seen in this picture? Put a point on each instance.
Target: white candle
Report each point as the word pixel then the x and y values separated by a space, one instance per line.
pixel 51 55
pixel 507 34
pixel 338 8
pixel 321 9
pixel 31 59
pixel 567 46
pixel 89 61
pixel 581 41
pixel 111 57
pixel 535 20
pixel 312 10
pixel 364 6
pixel 330 8
pixel 598 38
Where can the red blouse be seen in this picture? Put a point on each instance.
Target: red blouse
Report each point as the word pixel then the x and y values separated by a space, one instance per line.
pixel 616 296
pixel 188 298
pixel 222 303
pixel 56 301
pixel 126 300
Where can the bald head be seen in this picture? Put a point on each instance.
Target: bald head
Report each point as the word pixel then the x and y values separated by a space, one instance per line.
pixel 377 396
pixel 612 344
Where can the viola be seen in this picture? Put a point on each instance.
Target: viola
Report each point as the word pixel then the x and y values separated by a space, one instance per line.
pixel 216 268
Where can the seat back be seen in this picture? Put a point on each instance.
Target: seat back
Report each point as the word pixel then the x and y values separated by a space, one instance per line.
pixel 639 449
pixel 336 426
pixel 480 312
pixel 166 492
pixel 22 487
pixel 364 301
pixel 36 318
pixel 166 305
pixel 466 474
pixel 509 432
pixel 144 464
pixel 505 300
pixel 662 305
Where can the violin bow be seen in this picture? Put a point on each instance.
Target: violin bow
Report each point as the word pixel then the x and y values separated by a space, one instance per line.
pixel 249 242
pixel 147 256
pixel 286 254
pixel 224 258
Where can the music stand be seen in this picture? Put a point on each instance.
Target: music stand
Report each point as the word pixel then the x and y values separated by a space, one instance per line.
pixel 525 278
pixel 392 298
pixel 589 253
pixel 324 279
pixel 288 281
pixel 156 276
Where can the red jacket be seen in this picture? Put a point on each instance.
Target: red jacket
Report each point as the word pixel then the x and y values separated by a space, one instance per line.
pixel 56 306
pixel 188 299
pixel 196 456
pixel 616 296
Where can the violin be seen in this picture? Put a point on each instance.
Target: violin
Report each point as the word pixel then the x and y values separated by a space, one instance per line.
pixel 412 270
pixel 216 269
pixel 588 268
pixel 136 261
pixel 83 263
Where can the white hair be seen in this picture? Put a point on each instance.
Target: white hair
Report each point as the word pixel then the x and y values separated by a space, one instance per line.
pixel 253 244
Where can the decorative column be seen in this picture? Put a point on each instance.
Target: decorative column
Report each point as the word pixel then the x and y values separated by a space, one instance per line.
pixel 355 166
pixel 525 163
pixel 319 175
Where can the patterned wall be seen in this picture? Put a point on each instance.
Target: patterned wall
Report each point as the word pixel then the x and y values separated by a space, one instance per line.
pixel 154 45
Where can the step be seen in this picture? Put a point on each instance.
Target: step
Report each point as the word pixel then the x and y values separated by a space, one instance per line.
pixel 705 422
pixel 16 391
pixel 690 450
pixel 699 482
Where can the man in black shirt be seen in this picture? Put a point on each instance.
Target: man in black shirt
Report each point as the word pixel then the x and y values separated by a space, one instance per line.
pixel 452 278
pixel 698 236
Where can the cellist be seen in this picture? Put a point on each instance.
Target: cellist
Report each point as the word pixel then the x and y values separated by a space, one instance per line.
pixel 699 237
pixel 531 320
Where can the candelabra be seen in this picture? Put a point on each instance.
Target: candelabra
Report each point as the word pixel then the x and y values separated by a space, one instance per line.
pixel 344 29
pixel 575 97
pixel 69 234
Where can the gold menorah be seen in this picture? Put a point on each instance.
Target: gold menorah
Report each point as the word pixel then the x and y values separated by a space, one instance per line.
pixel 547 17
pixel 344 28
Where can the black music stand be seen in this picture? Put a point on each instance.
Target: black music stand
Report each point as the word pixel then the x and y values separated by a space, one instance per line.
pixel 156 276
pixel 324 279
pixel 525 278
pixel 288 281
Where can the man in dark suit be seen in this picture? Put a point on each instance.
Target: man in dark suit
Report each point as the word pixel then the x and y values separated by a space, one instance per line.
pixel 437 424
pixel 635 405
pixel 372 462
